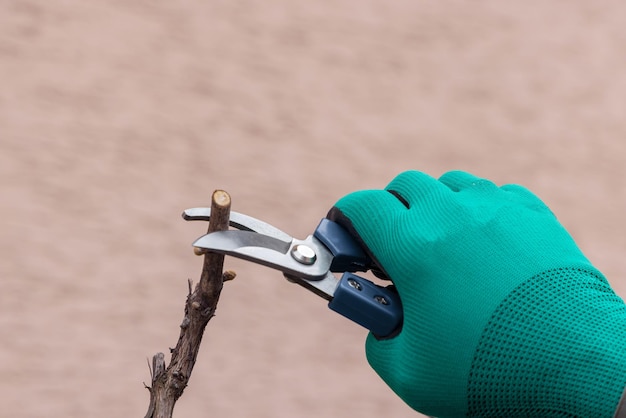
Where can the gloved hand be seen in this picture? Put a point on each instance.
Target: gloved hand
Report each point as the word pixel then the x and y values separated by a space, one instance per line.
pixel 503 314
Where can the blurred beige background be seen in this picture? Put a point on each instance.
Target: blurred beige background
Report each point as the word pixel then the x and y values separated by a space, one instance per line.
pixel 117 115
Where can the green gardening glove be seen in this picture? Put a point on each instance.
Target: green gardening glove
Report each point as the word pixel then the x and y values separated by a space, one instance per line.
pixel 503 314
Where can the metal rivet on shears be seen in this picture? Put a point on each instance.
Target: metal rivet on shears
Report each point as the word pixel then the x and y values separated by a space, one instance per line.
pixel 353 283
pixel 381 300
pixel 303 254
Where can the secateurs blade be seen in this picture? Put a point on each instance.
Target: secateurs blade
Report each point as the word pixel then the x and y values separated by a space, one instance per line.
pixel 311 263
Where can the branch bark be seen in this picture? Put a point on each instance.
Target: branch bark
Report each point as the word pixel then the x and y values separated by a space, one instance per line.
pixel 168 383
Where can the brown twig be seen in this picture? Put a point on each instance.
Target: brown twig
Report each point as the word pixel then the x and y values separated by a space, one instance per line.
pixel 169 383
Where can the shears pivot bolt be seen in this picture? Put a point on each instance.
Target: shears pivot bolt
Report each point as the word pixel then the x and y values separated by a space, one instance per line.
pixel 303 254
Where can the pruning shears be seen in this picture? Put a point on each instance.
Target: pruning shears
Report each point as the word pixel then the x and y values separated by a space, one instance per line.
pixel 311 263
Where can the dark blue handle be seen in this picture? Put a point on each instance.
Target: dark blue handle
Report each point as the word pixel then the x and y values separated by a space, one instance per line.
pixel 376 308
pixel 347 253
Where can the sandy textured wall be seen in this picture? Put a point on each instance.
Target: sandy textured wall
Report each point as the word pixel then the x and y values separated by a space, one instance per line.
pixel 116 115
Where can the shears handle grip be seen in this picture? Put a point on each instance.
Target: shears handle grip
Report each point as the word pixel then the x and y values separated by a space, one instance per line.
pixel 347 253
pixel 374 307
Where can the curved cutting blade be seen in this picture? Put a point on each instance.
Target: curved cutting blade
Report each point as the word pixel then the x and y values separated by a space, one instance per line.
pixel 239 221
pixel 269 251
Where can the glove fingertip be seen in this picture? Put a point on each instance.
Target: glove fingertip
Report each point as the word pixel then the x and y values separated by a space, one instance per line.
pixel 377 351
pixel 412 187
pixel 459 180
pixel 525 195
pixel 365 209
pixel 382 356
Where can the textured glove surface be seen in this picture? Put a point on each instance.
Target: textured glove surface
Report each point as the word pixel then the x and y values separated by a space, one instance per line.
pixel 503 315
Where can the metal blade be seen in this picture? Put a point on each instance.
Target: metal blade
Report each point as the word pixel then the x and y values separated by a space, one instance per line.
pixel 228 241
pixel 324 288
pixel 239 221
pixel 269 251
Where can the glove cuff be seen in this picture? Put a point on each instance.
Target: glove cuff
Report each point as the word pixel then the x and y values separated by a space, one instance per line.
pixel 558 343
